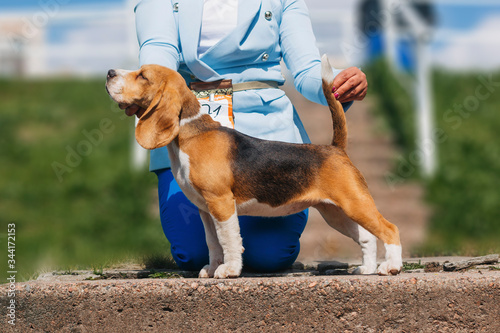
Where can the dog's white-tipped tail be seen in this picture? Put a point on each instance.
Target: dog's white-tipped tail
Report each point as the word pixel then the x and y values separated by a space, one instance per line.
pixel 338 116
pixel 326 69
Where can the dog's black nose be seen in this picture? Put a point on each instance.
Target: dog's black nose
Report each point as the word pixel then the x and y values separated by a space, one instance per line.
pixel 111 73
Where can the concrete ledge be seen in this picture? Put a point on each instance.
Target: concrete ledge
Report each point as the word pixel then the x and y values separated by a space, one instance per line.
pixel 411 302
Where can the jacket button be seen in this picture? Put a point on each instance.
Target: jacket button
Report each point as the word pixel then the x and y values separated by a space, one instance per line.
pixel 265 56
pixel 268 15
pixel 176 7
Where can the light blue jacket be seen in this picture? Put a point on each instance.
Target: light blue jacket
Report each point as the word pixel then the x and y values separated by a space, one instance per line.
pixel 267 32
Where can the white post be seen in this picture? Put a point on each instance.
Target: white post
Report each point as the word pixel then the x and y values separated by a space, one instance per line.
pixel 420 31
pixel 139 154
pixel 388 12
pixel 424 108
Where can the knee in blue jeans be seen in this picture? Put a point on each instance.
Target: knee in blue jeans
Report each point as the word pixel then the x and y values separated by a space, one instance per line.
pixel 181 224
pixel 271 244
pixel 193 258
pixel 271 259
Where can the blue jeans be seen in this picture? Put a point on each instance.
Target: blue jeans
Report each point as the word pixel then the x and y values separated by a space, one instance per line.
pixel 271 243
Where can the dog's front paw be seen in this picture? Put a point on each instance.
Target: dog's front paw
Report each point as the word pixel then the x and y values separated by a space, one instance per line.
pixel 225 271
pixel 389 268
pixel 206 272
pixel 393 262
pixel 361 270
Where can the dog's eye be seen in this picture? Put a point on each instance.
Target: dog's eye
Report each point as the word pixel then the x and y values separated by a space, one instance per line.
pixel 141 75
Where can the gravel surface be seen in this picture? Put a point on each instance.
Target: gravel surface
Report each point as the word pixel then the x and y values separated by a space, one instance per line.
pixel 411 302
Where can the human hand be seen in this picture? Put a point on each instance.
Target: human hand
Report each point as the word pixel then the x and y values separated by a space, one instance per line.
pixel 350 85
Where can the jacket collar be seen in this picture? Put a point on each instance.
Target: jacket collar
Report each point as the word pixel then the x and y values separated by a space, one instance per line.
pixel 190 15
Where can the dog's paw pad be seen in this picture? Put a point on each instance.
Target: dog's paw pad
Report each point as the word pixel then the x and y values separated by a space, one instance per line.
pixel 225 271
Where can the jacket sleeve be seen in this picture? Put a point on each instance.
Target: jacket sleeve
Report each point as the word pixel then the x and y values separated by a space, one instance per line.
pixel 157 33
pixel 159 44
pixel 300 53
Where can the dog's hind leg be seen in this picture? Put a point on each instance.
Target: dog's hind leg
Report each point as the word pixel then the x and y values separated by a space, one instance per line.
pixel 360 208
pixel 337 219
pixel 362 211
pixel 351 195
pixel 214 248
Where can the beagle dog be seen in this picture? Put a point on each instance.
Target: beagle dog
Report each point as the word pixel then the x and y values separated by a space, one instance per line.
pixel 249 176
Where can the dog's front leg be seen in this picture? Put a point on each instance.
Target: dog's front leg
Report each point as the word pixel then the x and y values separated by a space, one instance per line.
pixel 225 220
pixel 214 248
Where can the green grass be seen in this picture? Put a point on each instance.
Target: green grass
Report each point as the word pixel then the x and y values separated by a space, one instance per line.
pixel 159 261
pixel 408 266
pixel 466 189
pixel 465 192
pixel 394 104
pixel 164 275
pixel 94 210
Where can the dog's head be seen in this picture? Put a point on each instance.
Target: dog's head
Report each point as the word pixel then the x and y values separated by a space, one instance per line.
pixel 156 95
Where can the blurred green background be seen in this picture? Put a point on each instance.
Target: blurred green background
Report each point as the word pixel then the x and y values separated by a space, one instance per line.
pixel 464 194
pixel 86 210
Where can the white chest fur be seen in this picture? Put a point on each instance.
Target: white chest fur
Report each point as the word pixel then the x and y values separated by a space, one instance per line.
pixel 180 169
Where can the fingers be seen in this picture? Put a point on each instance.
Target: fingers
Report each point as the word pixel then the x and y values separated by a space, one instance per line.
pixel 357 93
pixel 350 85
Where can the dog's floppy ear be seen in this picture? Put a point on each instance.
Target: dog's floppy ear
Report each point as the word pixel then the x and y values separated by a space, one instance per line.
pixel 159 124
